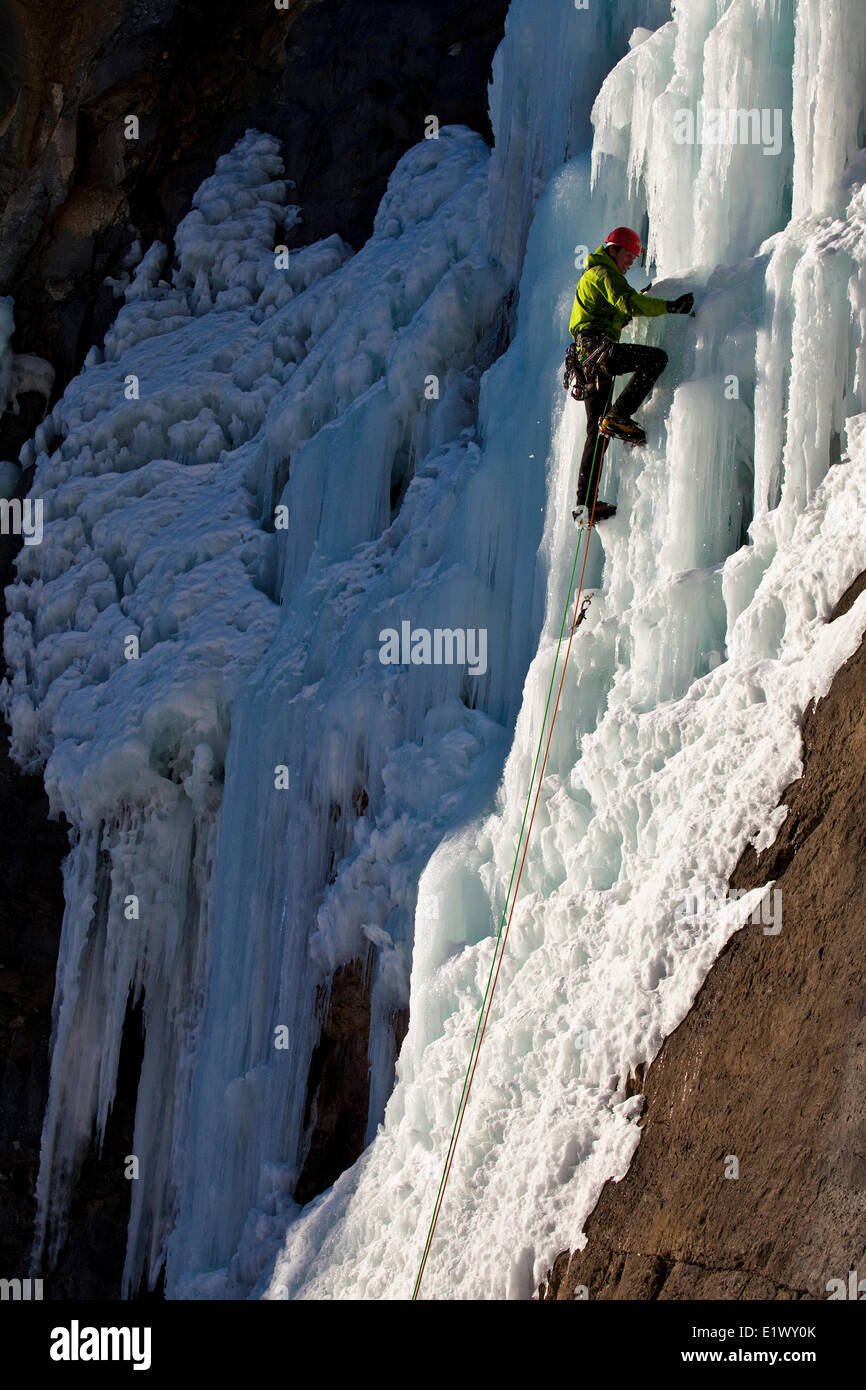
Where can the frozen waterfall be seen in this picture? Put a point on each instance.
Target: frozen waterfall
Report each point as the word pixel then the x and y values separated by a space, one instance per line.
pixel 274 461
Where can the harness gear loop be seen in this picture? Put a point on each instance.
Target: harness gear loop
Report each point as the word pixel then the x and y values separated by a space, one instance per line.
pixel 584 364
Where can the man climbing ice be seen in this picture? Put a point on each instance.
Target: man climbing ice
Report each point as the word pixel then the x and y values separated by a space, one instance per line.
pixel 603 304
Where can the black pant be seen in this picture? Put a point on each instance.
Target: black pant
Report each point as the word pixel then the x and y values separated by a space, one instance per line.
pixel 647 364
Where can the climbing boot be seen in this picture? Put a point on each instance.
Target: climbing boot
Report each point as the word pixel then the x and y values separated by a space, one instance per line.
pixel 603 510
pixel 616 427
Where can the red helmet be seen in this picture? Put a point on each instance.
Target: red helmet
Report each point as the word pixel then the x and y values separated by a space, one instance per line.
pixel 626 239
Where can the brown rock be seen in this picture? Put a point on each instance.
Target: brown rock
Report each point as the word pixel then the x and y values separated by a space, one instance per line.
pixel 769 1066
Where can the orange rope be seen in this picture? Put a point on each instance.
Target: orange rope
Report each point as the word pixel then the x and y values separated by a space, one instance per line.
pixel 517 884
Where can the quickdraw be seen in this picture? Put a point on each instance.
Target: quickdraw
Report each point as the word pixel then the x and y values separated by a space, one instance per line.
pixel 583 607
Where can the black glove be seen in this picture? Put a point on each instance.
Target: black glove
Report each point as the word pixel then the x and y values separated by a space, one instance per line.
pixel 683 305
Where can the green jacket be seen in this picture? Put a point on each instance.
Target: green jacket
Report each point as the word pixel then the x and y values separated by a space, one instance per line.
pixel 605 301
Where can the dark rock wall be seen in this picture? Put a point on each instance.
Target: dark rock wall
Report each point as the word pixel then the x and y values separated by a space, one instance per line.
pixel 338 1085
pixel 345 84
pixel 769 1066
pixel 31 911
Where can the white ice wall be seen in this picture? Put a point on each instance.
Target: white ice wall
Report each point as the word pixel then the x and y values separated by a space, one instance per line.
pixel 679 725
pixel 563 51
pixel 156 471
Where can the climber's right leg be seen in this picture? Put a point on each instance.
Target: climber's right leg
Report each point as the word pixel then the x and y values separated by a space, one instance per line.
pixel 647 365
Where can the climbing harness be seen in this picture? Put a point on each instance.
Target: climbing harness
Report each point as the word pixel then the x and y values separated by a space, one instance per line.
pixel 508 912
pixel 584 365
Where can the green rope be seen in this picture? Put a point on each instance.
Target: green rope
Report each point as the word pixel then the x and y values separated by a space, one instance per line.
pixel 460 1107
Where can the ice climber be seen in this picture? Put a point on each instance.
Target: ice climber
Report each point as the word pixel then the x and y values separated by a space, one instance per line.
pixel 603 304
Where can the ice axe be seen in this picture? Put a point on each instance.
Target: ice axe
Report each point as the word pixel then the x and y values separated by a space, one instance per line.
pixel 646 289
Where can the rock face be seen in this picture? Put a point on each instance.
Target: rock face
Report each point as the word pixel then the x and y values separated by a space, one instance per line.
pixel 769 1066
pixel 31 892
pixel 338 1084
pixel 345 84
